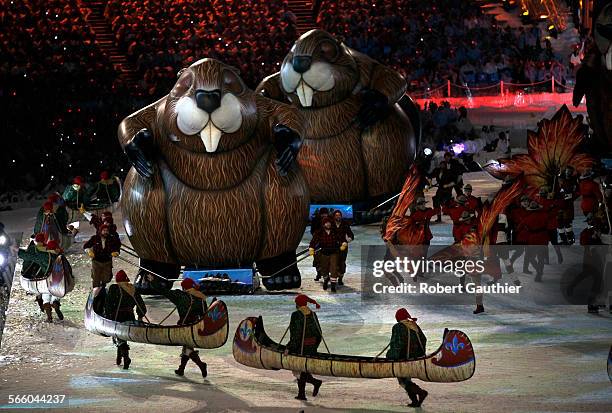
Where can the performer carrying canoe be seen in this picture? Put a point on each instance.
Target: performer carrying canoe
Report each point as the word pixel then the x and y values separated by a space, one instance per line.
pixel 37 261
pixel 101 248
pixel 304 339
pixel 105 192
pixel 75 194
pixel 119 304
pixel 48 223
pixel 407 343
pixel 191 306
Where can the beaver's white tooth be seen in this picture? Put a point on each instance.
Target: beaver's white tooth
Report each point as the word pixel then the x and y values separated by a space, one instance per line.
pixel 304 93
pixel 210 136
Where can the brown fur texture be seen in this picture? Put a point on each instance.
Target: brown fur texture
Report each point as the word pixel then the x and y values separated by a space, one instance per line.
pixel 226 208
pixel 341 161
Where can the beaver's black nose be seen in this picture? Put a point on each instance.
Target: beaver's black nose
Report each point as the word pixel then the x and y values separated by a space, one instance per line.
pixel 208 100
pixel 301 63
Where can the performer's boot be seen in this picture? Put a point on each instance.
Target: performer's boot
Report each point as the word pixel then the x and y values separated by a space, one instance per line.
pixel 422 395
pixel 39 301
pixel 593 309
pixel 318 277
pixel 316 384
pixel 119 355
pixel 479 309
pixel 301 382
pixel 56 306
pixel 126 356
pixel 333 287
pixel 181 370
pixel 414 399
pixel 325 283
pixel 340 279
pixel 563 237
pixel 47 308
pixel 412 390
pixel 196 359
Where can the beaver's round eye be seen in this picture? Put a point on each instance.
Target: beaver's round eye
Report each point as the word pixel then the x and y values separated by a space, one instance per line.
pixel 184 82
pixel 232 83
pixel 329 50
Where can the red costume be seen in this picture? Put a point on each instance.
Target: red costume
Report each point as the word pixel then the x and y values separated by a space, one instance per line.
pixel 591 195
pixel 473 204
pixel 535 224
pixel 521 235
pixel 454 211
pixel 420 222
pixel 552 207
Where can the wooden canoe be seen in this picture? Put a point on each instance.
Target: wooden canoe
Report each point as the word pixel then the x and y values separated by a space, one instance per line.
pixel 58 282
pixel 453 361
pixel 210 332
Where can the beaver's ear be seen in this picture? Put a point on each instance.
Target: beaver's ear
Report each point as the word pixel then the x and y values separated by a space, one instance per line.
pixel 232 82
pixel 180 72
pixel 184 82
pixel 330 50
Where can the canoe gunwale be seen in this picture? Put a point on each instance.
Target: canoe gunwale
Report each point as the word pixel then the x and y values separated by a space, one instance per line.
pixel 94 323
pixel 252 347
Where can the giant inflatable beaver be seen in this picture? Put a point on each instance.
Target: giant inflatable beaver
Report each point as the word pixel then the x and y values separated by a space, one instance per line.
pixel 213 182
pixel 358 143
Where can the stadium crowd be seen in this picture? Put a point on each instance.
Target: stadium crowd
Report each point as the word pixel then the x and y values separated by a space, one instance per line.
pixel 448 40
pixel 56 90
pixel 162 36
pixel 64 99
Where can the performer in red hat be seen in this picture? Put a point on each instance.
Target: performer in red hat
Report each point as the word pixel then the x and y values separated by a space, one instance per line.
pixel 75 195
pixel 304 338
pixel 101 248
pixel 191 306
pixel 119 304
pixel 327 240
pixel 48 224
pixel 407 343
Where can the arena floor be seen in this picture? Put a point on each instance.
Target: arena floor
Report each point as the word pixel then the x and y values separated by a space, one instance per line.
pixel 528 359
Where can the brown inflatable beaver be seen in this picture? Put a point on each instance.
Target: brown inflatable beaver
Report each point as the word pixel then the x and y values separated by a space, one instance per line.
pixel 212 183
pixel 358 142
